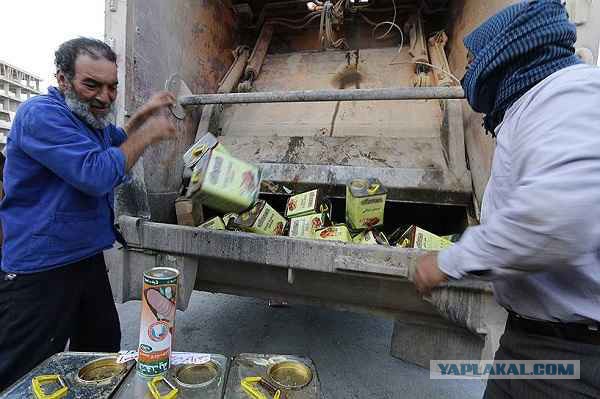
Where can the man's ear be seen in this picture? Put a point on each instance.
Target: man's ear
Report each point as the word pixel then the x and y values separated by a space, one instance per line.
pixel 61 78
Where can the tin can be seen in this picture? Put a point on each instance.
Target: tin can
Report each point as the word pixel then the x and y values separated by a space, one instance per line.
pixel 339 232
pixel 192 380
pixel 215 223
pixel 223 182
pixel 261 219
pixel 305 226
pixel 159 300
pixel 72 375
pixel 308 203
pixel 365 203
pixel 294 376
pixel 229 218
pixel 205 144
pixel 416 237
pixel 371 237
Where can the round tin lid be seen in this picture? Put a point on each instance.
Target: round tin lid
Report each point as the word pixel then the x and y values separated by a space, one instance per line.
pixel 366 187
pixel 162 273
pixel 290 374
pixel 101 370
pixel 197 375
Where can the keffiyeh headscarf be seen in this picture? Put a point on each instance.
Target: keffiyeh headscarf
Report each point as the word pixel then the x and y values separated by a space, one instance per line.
pixel 513 51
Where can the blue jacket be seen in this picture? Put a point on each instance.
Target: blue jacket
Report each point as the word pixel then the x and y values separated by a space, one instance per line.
pixel 59 179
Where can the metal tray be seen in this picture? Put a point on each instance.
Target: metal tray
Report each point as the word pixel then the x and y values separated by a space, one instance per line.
pixel 296 376
pixel 86 375
pixel 205 381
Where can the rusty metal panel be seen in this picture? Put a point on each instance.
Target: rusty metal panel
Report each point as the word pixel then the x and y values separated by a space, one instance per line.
pixel 314 71
pixel 194 39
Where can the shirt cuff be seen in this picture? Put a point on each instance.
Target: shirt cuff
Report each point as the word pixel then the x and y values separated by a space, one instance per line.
pixel 450 261
pixel 120 161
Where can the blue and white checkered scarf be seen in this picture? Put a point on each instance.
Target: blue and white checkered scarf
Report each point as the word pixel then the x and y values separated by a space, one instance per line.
pixel 513 51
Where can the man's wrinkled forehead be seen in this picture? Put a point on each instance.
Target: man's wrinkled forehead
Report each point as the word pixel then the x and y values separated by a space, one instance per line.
pixel 99 70
pixel 495 25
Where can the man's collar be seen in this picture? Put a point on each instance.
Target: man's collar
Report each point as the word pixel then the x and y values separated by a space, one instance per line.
pixel 56 94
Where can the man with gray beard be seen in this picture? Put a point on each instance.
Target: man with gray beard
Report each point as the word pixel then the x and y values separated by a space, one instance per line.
pixel 64 160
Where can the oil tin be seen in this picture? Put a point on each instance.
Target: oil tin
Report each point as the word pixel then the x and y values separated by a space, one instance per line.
pixel 452 237
pixel 365 203
pixel 416 237
pixel 261 219
pixel 223 182
pixel 338 232
pixel 192 380
pixel 215 223
pixel 371 237
pixel 159 300
pixel 229 218
pixel 77 374
pixel 187 213
pixel 307 203
pixel 296 377
pixel 205 144
pixel 305 226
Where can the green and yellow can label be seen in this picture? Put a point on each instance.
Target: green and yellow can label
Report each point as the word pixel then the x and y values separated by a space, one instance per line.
pixel 305 226
pixel 365 203
pixel 215 223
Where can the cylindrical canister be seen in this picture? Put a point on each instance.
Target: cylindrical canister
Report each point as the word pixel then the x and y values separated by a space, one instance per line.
pixel 159 300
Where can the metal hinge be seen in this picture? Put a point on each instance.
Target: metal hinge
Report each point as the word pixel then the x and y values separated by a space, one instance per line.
pixel 112 5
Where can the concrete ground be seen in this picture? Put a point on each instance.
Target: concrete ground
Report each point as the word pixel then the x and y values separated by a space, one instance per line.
pixel 351 351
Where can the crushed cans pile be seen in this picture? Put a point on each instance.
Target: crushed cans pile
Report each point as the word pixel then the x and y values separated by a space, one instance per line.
pixel 231 187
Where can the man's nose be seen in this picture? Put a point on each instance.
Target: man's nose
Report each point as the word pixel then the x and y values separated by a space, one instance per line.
pixel 104 97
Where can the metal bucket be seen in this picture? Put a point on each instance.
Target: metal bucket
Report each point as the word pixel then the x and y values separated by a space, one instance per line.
pixel 206 380
pixel 296 376
pixel 85 375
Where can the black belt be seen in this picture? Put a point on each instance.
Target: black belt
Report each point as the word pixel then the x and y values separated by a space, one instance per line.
pixel 585 333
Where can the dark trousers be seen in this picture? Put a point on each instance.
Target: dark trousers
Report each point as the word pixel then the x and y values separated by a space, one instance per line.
pixel 517 344
pixel 40 312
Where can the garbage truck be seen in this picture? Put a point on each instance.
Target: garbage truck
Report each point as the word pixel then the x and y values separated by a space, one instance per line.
pixel 316 93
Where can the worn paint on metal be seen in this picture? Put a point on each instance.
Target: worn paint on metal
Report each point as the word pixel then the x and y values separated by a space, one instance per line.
pixel 68 365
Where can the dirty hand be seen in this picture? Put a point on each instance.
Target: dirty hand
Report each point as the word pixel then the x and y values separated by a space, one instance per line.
pixel 428 274
pixel 158 101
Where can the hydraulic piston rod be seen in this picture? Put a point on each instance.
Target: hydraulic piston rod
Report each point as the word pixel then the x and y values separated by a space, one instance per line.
pixel 404 93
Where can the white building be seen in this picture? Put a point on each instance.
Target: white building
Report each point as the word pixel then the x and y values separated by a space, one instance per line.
pixel 16 86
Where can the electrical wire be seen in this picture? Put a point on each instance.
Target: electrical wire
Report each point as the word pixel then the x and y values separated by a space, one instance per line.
pixel 294 21
pixel 310 20
pixel 391 25
pixel 429 65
